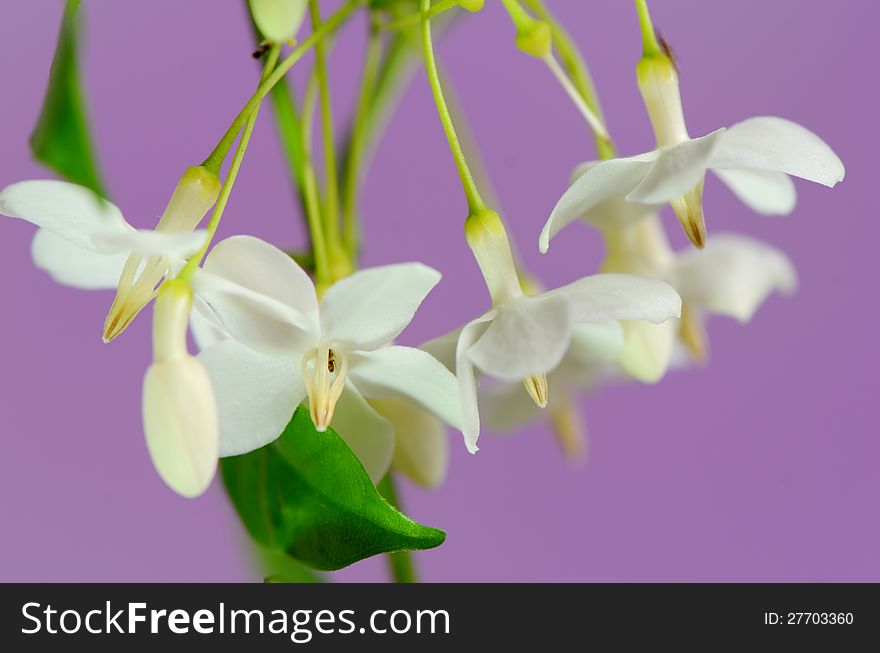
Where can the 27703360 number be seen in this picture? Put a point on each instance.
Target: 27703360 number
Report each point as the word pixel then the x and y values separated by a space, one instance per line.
pixel 819 618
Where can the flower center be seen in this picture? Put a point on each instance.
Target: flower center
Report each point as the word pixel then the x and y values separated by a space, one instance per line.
pixel 324 372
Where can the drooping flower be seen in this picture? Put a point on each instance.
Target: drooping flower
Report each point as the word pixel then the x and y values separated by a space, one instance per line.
pixel 179 409
pixel 285 346
pixel 85 242
pixel 523 337
pixel 754 158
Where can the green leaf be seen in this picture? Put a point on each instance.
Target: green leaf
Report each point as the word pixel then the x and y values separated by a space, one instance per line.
pixel 281 568
pixel 61 138
pixel 308 495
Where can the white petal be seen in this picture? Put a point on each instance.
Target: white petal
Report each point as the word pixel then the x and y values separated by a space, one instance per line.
pixel 369 435
pixel 733 275
pixel 765 191
pixel 371 307
pixel 677 170
pixel 770 143
pixel 648 348
pixel 180 424
pixel 528 337
pixel 443 348
pixel 599 184
pixel 256 394
pixel 73 265
pixel 507 406
pixel 620 297
pixel 595 343
pixel 260 296
pixel 421 448
pixel 205 325
pixel 153 243
pixel 71 211
pixel 467 380
pixel 409 373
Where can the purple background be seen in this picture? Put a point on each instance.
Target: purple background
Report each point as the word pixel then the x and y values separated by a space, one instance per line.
pixel 762 467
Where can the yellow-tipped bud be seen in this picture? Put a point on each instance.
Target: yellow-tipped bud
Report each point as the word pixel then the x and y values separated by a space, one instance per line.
pixel 194 195
pixel 488 240
pixel 532 36
pixel 278 20
pixel 179 409
pixel 658 83
pixel 538 389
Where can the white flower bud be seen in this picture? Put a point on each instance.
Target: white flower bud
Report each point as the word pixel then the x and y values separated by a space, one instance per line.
pixel 179 409
pixel 278 20
pixel 488 240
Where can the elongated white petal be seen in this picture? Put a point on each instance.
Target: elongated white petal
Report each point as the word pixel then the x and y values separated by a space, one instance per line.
pixel 153 243
pixel 600 183
pixel 467 380
pixel 71 211
pixel 765 191
pixel 528 337
pixel 770 143
pixel 410 373
pixel 677 170
pixel 371 307
pixel 256 394
pixel 648 349
pixel 369 435
pixel 506 406
pixel 180 423
pixel 620 297
pixel 421 447
pixel 205 326
pixel 733 275
pixel 75 266
pixel 260 296
pixel 595 343
pixel 443 348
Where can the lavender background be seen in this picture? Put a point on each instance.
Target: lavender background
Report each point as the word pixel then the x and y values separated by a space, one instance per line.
pixel 762 467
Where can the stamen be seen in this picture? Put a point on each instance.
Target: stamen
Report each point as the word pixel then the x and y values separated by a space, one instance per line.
pixel 693 333
pixel 324 372
pixel 538 389
pixel 137 288
pixel 689 209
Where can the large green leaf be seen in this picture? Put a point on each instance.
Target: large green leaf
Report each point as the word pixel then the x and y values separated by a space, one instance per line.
pixel 61 138
pixel 307 494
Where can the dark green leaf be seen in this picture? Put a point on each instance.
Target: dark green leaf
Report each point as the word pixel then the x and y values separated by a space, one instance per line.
pixel 281 568
pixel 307 494
pixel 61 138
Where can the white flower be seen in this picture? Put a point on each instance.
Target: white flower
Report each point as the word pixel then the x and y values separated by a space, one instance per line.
pixel 179 409
pixel 754 158
pixel 278 20
pixel 732 276
pixel 522 337
pixel 85 242
pixel 285 346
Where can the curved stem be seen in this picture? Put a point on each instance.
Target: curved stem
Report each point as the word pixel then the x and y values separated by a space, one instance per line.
pixel 358 142
pixel 194 261
pixel 311 191
pixel 472 193
pixel 218 154
pixel 331 184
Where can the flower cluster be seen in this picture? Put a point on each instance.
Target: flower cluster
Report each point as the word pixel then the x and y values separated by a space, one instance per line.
pixel 273 333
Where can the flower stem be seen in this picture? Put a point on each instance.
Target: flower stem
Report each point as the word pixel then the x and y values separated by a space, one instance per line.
pixel 331 183
pixel 650 45
pixel 358 142
pixel 577 68
pixel 592 119
pixel 215 159
pixel 194 261
pixel 472 193
pixel 400 564
pixel 413 19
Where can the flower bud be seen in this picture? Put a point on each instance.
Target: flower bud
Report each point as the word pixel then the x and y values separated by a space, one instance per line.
pixel 487 238
pixel 278 20
pixel 658 83
pixel 532 36
pixel 179 409
pixel 194 195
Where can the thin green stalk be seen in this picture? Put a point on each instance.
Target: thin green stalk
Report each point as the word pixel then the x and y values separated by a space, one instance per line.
pixel 400 565
pixel 650 45
pixel 312 192
pixel 287 122
pixel 331 183
pixel 577 69
pixel 472 193
pixel 358 142
pixel 194 261
pixel 215 159
pixel 412 19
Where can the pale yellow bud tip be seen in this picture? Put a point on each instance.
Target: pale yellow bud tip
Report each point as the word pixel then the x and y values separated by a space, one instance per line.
pixel 538 389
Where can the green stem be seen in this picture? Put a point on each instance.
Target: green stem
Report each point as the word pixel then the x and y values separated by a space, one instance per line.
pixel 400 564
pixel 215 159
pixel 577 69
pixel 194 261
pixel 331 183
pixel 412 19
pixel 472 193
pixel 650 45
pixel 287 122
pixel 312 193
pixel 358 142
